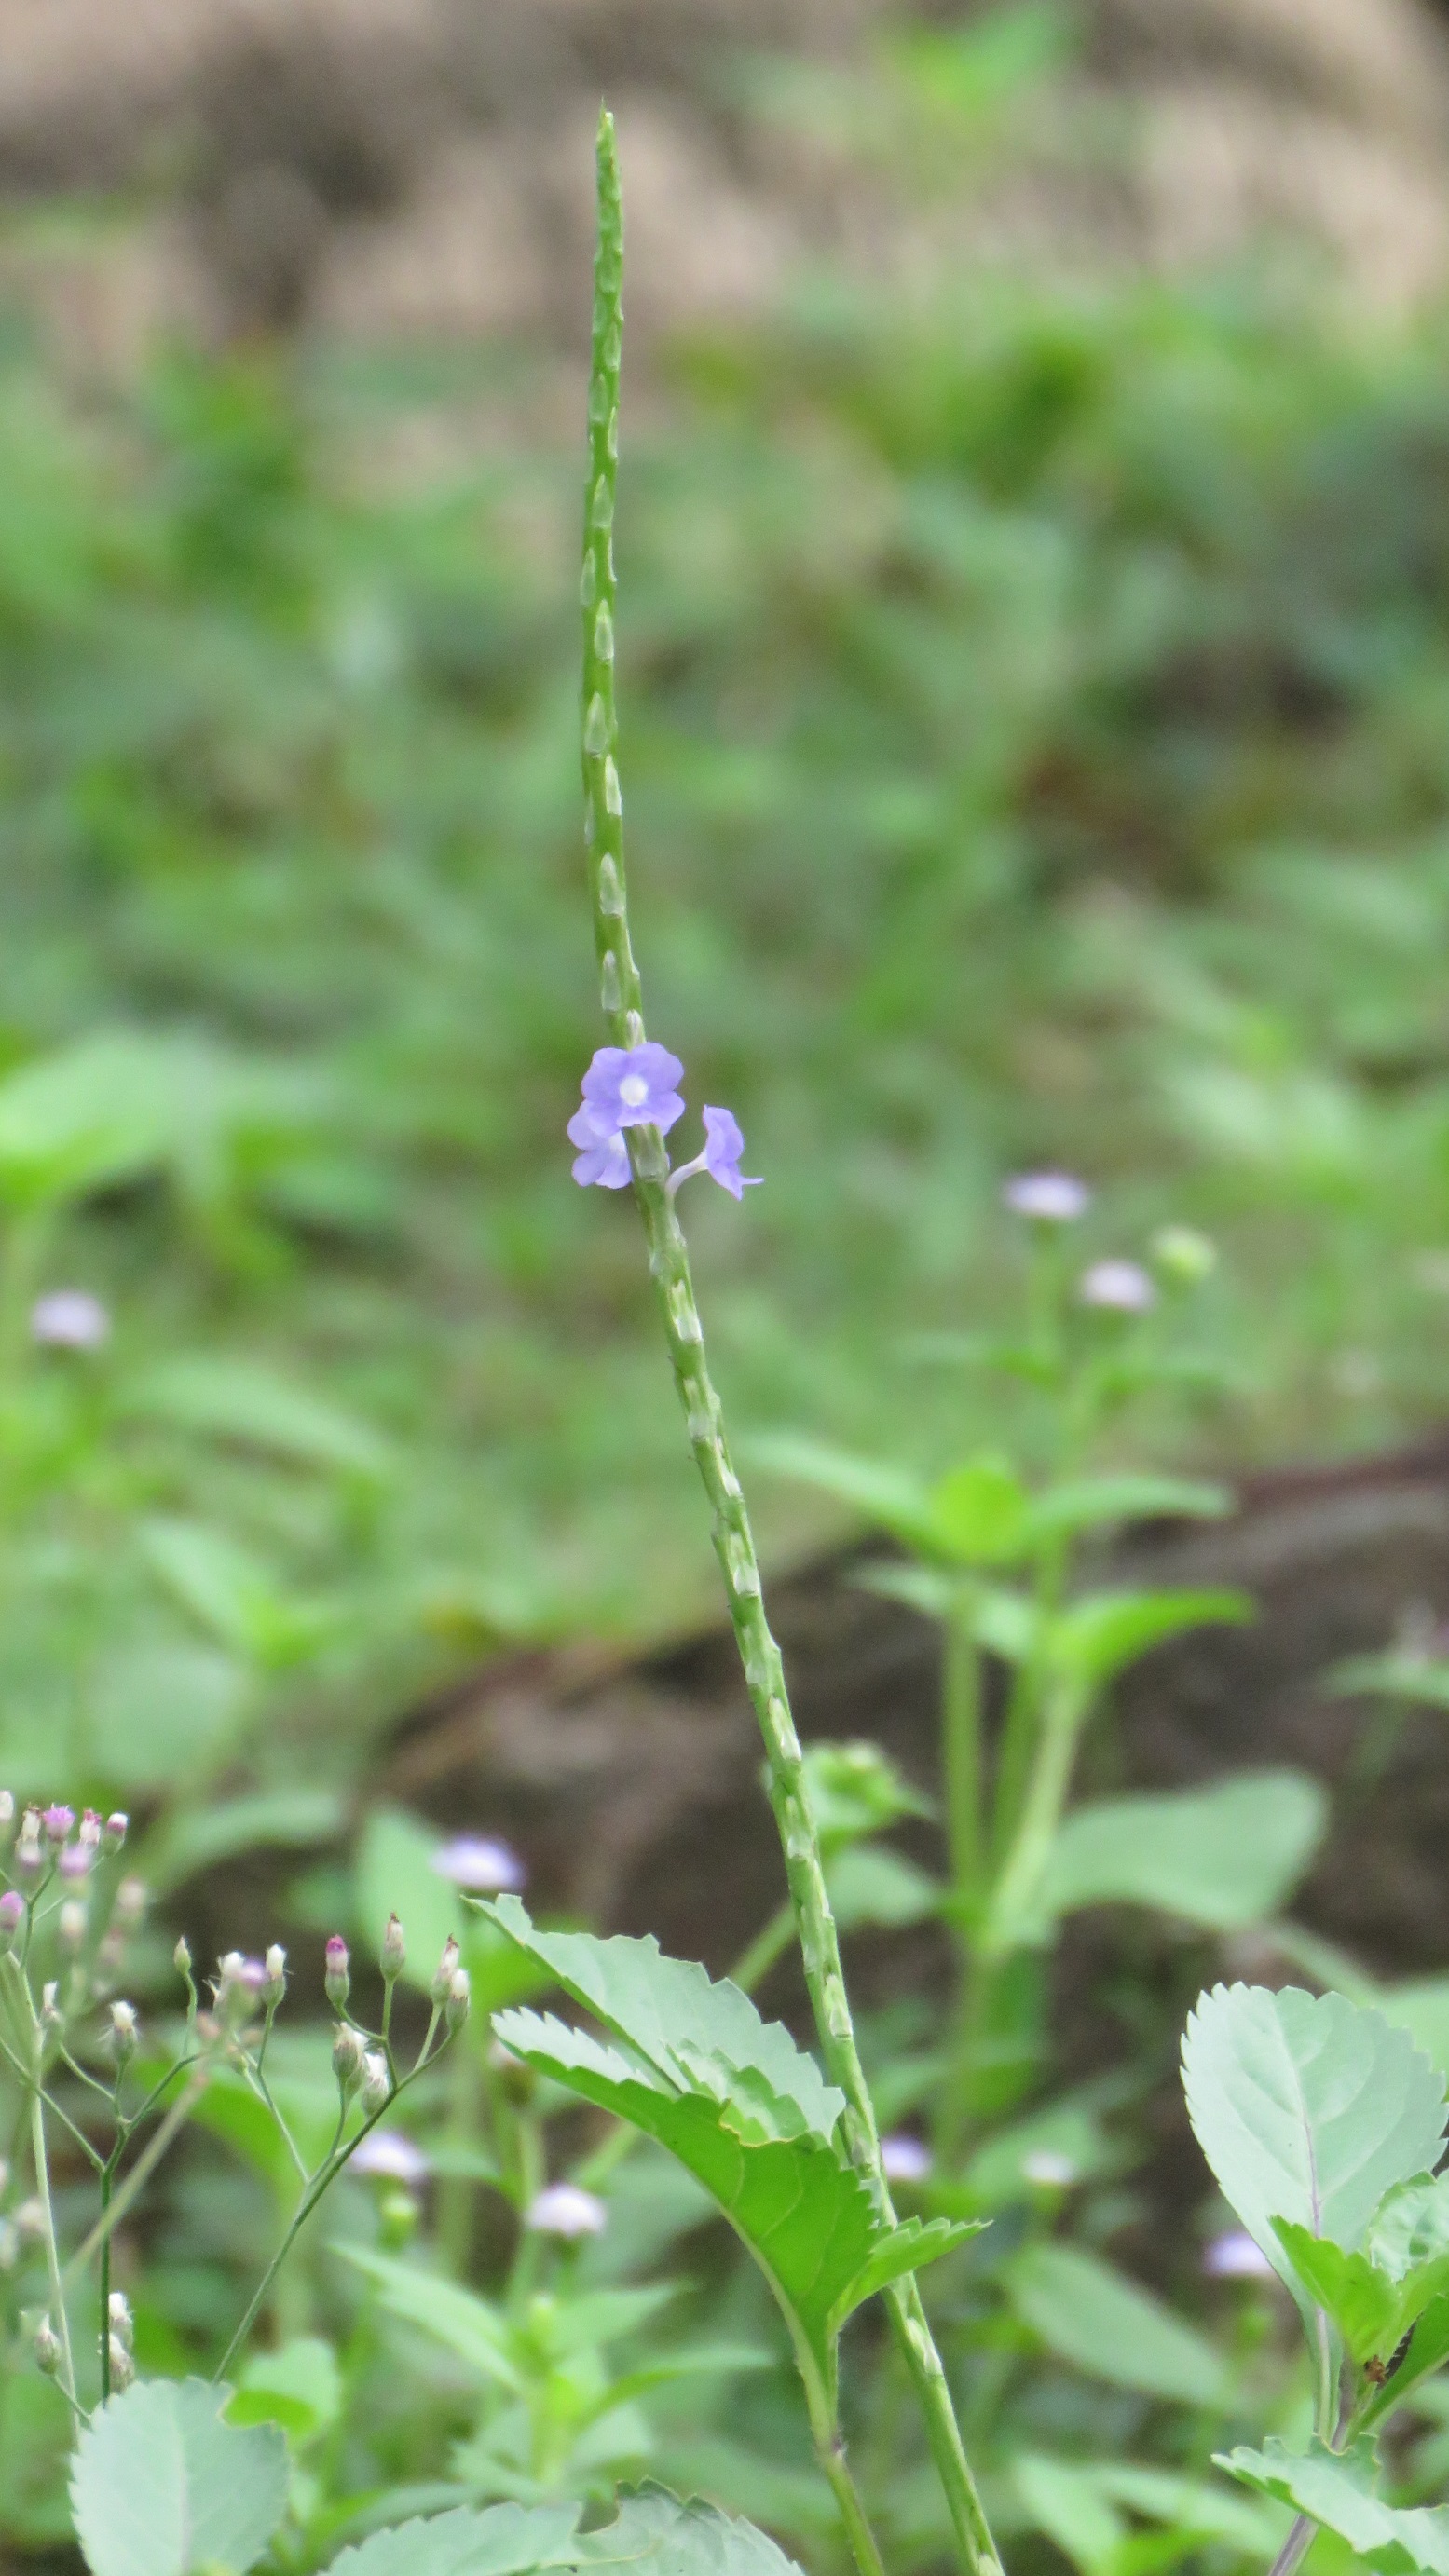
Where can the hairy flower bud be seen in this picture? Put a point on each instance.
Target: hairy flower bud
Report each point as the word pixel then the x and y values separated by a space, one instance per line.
pixel 123 2368
pixel 51 2017
pixel 88 1833
pixel 125 2030
pixel 12 1916
pixel 376 2082
pixel 116 1828
pixel 394 1950
pixel 444 1972
pixel 30 2223
pixel 349 2056
pixel 7 1810
pixel 58 1823
pixel 119 2319
pixel 47 2348
pixel 566 2209
pixel 460 1999
pixel 71 1923
pixel 182 1960
pixel 274 1976
pixel 337 1982
pixel 132 1898
pixel 27 1854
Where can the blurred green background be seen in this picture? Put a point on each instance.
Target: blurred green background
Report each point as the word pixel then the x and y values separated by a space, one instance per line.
pixel 1036 747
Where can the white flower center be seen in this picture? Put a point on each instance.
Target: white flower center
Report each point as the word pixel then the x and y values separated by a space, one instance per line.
pixel 633 1090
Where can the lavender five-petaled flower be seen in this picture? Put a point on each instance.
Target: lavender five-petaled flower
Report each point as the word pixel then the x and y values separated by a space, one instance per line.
pixel 633 1087
pixel 603 1159
pixel 723 1145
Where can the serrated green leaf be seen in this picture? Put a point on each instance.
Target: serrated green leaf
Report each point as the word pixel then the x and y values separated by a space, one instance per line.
pixel 1101 1502
pixel 1307 2108
pixel 1099 1636
pixel 653 2531
pixel 1363 2302
pixel 693 2065
pixel 163 2486
pixel 1111 2328
pixel 1428 2351
pixel 1340 2492
pixel 1410 2227
pixel 913 2243
pixel 1222 1857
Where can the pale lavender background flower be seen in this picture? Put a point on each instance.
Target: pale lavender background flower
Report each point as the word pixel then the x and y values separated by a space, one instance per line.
pixel 566 2209
pixel 1056 1198
pixel 634 1087
pixel 1235 2256
pixel 69 1319
pixel 391 2156
pixel 603 1161
pixel 481 1863
pixel 1122 1285
pixel 1048 2169
pixel 904 2158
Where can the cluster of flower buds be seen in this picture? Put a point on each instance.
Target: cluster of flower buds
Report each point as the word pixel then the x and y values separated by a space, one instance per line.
pixel 53 1838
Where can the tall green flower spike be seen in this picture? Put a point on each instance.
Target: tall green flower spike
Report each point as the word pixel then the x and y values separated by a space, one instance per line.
pixel 622 999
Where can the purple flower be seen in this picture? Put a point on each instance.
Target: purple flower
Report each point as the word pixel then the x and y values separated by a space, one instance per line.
pixel 904 2158
pixel 59 1823
pixel 1053 1198
pixel 75 1861
pixel 391 2156
pixel 12 1915
pixel 566 2209
pixel 603 1161
pixel 1235 2256
pixel 69 1319
pixel 633 1087
pixel 1121 1285
pixel 480 1863
pixel 723 1146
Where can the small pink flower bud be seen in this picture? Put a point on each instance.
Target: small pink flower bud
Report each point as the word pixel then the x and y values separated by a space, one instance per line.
pixel 337 1982
pixel 274 1980
pixel 117 1827
pixel 59 1823
pixel 444 1972
pixel 27 1854
pixel 12 1916
pixel 89 1830
pixel 348 2057
pixel 47 2348
pixel 460 2000
pixel 1052 1198
pixel 125 2030
pixel 394 1950
pixel 904 2158
pixel 75 1861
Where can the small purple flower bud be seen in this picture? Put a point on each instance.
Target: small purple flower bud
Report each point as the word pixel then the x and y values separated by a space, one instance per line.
pixel 47 2348
pixel 391 2156
pixel 460 1999
pixel 59 1824
pixel 482 1864
pixel 132 1898
pixel 565 2209
pixel 443 1973
pixel 69 1319
pixel 1052 1198
pixel 75 1861
pixel 348 2054
pixel 12 1915
pixel 117 1827
pixel 394 1949
pixel 125 2031
pixel 904 2158
pixel 1122 1286
pixel 1235 2256
pixel 337 1982
pixel 89 1830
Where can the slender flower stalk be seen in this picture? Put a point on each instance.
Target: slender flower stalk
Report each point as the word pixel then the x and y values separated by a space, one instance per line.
pixel 622 1000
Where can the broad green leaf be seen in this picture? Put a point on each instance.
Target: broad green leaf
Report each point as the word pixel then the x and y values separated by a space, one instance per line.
pixel 869 1885
pixel 693 2065
pixel 1421 2007
pixel 233 1597
pixel 163 1714
pixel 467 2324
pixel 1341 2493
pixel 1307 2108
pixel 1077 2505
pixel 395 1875
pixel 1363 2302
pixel 164 2486
pixel 279 1819
pixel 1064 2499
pixel 298 2387
pixel 653 2532
pixel 904 2249
pixel 1410 2227
pixel 1222 1857
pixel 1428 2351
pixel 1419 1678
pixel 980 1514
pixel 1110 2328
pixel 1101 1502
pixel 234 1400
pixel 1097 1637
pixel 888 1496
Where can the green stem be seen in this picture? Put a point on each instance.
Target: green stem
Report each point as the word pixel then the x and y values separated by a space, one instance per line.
pixel 138 2177
pixel 669 1266
pixel 107 2178
pixel 52 2250
pixel 1041 1814
pixel 961 1721
pixel 769 1944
